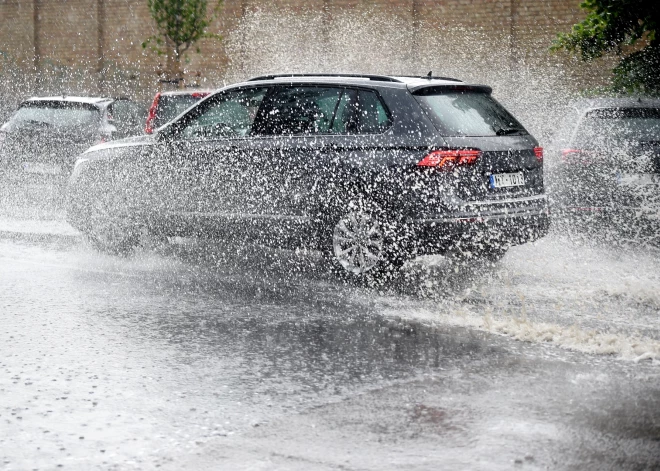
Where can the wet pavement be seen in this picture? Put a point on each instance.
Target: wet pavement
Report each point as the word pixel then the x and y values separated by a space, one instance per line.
pixel 204 356
pixel 120 364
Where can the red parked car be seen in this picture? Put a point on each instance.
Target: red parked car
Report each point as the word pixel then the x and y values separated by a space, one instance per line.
pixel 168 105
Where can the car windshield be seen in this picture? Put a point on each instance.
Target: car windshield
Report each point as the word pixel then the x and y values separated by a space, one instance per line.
pixel 60 115
pixel 467 113
pixel 169 107
pixel 618 127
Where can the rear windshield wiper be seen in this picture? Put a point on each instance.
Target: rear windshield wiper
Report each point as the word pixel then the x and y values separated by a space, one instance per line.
pixel 509 131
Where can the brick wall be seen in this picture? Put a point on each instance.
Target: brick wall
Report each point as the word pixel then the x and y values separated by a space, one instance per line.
pixel 94 46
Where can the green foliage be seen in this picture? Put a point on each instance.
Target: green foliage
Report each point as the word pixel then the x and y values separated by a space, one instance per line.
pixel 609 26
pixel 180 23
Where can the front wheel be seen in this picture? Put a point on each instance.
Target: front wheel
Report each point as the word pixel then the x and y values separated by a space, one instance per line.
pixel 361 243
pixel 114 238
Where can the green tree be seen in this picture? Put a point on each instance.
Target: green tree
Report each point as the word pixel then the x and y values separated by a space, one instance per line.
pixel 609 27
pixel 180 24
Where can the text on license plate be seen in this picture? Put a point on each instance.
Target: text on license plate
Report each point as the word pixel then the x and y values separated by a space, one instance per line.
pixel 47 169
pixel 503 180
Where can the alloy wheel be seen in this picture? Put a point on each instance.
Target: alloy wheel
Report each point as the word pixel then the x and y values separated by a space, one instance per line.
pixel 358 242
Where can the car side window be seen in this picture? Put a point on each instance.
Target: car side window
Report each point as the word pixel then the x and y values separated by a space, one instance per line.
pixel 360 112
pixel 372 117
pixel 229 115
pixel 299 111
pixel 345 120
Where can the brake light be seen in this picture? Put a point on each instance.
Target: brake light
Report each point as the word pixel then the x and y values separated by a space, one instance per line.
pixel 450 158
pixel 152 115
pixel 199 94
pixel 538 152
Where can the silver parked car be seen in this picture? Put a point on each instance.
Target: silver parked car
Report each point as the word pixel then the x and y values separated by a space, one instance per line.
pixel 45 135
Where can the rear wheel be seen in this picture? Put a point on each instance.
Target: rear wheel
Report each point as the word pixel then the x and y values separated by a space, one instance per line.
pixel 361 244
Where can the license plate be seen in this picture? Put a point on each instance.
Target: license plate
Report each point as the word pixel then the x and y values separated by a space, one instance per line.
pixel 43 169
pixel 503 180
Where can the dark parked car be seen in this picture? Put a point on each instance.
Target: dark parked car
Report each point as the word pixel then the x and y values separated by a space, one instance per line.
pixel 168 105
pixel 44 136
pixel 604 164
pixel 368 169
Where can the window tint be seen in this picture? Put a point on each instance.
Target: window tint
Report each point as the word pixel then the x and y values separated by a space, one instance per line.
pixel 55 115
pixel 299 110
pixel 467 113
pixel 371 114
pixel 230 114
pixel 322 110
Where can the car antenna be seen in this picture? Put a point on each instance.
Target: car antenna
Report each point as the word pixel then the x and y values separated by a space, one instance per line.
pixel 429 75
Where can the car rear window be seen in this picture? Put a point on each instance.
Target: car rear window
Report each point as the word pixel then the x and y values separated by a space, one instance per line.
pixel 467 112
pixel 55 114
pixel 169 107
pixel 618 126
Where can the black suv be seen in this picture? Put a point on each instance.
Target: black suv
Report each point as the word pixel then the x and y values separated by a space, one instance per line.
pixel 369 169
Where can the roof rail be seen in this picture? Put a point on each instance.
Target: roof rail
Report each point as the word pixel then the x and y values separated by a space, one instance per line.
pixel 377 78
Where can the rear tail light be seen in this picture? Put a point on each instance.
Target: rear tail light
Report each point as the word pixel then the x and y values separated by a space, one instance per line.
pixel 448 159
pixel 538 152
pixel 149 128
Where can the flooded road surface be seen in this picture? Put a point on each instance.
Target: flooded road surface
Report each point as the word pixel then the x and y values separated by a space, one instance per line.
pixel 201 356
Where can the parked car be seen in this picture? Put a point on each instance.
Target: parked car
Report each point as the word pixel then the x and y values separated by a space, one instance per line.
pixel 604 164
pixel 369 169
pixel 168 105
pixel 45 135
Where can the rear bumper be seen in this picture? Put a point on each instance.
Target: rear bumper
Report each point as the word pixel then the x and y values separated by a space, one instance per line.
pixel 511 222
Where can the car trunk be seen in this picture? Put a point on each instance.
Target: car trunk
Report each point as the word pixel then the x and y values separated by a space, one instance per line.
pixel 468 118
pixel 500 156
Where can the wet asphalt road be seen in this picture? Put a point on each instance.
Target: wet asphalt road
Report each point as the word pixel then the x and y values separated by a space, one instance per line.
pixel 198 357
pixel 204 356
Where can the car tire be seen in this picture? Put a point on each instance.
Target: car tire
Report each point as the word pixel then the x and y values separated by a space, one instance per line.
pixel 114 238
pixel 361 243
